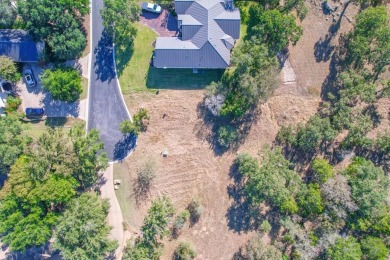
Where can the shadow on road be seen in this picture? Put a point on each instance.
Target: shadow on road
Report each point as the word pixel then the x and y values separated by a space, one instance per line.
pixel 124 147
pixel 104 63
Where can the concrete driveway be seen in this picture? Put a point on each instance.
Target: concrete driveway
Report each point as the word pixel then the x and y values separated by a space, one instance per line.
pixel 106 106
pixel 37 97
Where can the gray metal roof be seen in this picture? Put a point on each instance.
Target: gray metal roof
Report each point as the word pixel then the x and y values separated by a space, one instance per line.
pixel 211 40
pixel 18 45
pixel 187 19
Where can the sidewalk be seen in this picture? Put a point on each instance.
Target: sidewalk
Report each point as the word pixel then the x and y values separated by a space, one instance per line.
pixel 115 218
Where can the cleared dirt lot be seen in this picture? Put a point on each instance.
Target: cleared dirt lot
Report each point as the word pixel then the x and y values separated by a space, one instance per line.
pixel 193 170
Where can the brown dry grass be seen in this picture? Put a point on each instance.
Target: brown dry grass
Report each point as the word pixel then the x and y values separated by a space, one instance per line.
pixel 192 170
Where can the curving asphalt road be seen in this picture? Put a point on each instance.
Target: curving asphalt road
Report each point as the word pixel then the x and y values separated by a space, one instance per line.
pixel 106 109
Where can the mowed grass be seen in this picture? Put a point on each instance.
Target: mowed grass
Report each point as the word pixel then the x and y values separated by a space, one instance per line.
pixel 36 128
pixel 123 194
pixel 138 76
pixel 133 76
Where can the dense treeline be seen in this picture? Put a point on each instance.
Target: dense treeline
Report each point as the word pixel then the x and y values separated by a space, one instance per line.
pixel 318 211
pixel 45 179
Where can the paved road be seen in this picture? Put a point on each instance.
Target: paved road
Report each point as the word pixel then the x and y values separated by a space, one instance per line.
pixel 106 108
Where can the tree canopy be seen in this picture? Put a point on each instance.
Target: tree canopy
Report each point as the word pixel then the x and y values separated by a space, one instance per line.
pixel 8 69
pixel 118 17
pixel 273 28
pixel 370 41
pixel 345 249
pixel 7 14
pixel 12 142
pixel 43 181
pixel 62 83
pixel 82 231
pixel 58 23
pixel 272 182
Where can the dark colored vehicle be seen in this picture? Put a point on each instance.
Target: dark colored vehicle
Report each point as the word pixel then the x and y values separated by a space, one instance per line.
pixel 28 75
pixel 34 112
pixel 154 8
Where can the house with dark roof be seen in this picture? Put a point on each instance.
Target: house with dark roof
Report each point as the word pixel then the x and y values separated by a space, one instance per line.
pixel 19 46
pixel 208 30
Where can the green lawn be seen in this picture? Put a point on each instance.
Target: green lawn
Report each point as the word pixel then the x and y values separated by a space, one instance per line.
pixel 135 74
pixel 124 192
pixel 84 83
pixel 132 73
pixel 38 127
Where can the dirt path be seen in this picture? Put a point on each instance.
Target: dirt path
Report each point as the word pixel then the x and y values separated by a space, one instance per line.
pixel 115 218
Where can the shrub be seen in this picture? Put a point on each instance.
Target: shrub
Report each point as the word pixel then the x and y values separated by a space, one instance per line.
pixel 63 83
pixel 227 135
pixel 140 122
pixel 184 251
pixel 179 222
pixel 195 210
pixel 146 173
pixel 265 226
pixel 13 104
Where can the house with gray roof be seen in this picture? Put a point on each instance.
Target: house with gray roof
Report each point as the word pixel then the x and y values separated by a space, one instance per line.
pixel 19 46
pixel 208 31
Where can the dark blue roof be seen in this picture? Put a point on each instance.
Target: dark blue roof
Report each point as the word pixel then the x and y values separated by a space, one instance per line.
pixel 18 45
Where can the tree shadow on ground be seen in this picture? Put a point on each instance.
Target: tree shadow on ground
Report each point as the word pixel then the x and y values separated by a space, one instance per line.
pixel 323 48
pixel 124 147
pixel 104 65
pixel 181 79
pixel 141 191
pixel 123 53
pixel 211 124
pixel 241 216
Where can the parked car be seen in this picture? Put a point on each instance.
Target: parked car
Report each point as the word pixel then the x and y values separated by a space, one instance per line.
pixel 154 8
pixel 29 76
pixel 34 112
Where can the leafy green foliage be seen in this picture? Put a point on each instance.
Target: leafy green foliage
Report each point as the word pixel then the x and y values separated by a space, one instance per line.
pixel 180 220
pixel 184 251
pixel 156 224
pixel 370 41
pixel 272 182
pixel 8 69
pixel 374 248
pixel 311 135
pixel 140 123
pixel 12 142
pixel 310 201
pixel 58 23
pixel 44 180
pixel 90 156
pixel 82 231
pixel 7 14
pixel 253 79
pixel 369 187
pixel 13 104
pixel 322 170
pixel 273 28
pixel 118 18
pixel 345 249
pixel 62 83
pixel 257 249
pixel 265 226
pixel 227 135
